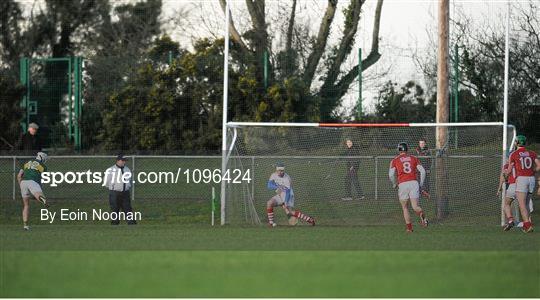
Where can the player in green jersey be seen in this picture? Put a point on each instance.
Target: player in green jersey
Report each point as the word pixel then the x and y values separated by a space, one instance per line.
pixel 29 178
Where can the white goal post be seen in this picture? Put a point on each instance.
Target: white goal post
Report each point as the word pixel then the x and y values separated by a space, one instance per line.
pixel 310 148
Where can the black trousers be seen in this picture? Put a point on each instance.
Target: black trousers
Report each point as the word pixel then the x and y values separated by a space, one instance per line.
pixel 120 201
pixel 352 180
pixel 426 181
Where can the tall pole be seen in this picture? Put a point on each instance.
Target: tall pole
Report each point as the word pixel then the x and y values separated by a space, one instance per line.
pixel 506 78
pixel 25 80
pixel 265 64
pixel 70 102
pixel 442 107
pixel 505 104
pixel 456 84
pixel 77 83
pixel 225 107
pixel 456 87
pixel 455 111
pixel 359 112
pixel 442 72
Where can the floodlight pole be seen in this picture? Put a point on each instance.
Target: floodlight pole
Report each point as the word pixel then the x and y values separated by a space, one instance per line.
pixel 506 78
pixel 225 108
pixel 505 104
pixel 442 112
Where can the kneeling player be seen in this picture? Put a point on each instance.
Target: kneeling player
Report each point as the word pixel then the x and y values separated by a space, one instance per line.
pixel 29 178
pixel 509 180
pixel 406 167
pixel 281 183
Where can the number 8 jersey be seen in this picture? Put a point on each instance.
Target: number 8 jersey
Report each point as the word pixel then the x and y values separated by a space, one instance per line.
pixel 406 166
pixel 523 161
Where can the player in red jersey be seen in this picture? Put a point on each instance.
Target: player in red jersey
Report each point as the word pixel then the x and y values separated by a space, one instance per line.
pixel 523 161
pixel 405 167
pixel 510 194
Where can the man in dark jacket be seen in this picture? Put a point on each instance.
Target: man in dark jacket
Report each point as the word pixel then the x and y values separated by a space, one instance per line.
pixel 424 154
pixel 351 179
pixel 29 142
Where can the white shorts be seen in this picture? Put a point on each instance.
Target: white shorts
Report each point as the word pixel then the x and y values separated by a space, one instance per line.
pixel 29 188
pixel 280 199
pixel 409 190
pixel 511 191
pixel 525 184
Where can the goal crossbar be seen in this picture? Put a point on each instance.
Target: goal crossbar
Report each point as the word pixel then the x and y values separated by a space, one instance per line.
pixel 284 124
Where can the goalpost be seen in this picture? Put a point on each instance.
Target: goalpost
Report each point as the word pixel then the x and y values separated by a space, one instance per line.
pixel 477 168
pixel 462 179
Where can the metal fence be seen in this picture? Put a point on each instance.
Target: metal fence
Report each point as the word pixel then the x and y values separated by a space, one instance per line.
pixel 185 166
pixel 160 165
pixel 318 179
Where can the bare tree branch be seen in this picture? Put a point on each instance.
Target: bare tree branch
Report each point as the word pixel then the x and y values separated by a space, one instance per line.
pixel 531 18
pixel 320 43
pixel 343 85
pixel 257 14
pixel 347 41
pixel 290 28
pixel 232 29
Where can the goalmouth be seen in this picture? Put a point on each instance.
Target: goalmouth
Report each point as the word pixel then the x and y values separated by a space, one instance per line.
pixel 464 163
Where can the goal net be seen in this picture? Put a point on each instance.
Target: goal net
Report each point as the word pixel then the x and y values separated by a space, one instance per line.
pixel 463 163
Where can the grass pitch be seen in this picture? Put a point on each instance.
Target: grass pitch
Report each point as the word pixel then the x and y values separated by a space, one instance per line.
pixel 200 261
pixel 174 253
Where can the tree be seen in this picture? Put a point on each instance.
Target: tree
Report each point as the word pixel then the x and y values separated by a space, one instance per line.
pixel 55 28
pixel 316 69
pixel 10 34
pixel 407 103
pixel 10 94
pixel 481 69
pixel 112 38
pixel 58 29
pixel 173 108
pixel 115 52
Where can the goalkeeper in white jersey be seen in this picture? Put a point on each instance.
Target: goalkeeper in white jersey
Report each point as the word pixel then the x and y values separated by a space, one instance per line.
pixel 280 182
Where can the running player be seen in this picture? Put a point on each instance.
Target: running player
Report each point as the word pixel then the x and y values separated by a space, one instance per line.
pixel 523 161
pixel 29 178
pixel 281 183
pixel 405 167
pixel 510 181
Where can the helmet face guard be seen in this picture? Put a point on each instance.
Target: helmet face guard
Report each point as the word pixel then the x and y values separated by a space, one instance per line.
pixel 42 156
pixel 521 140
pixel 403 147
